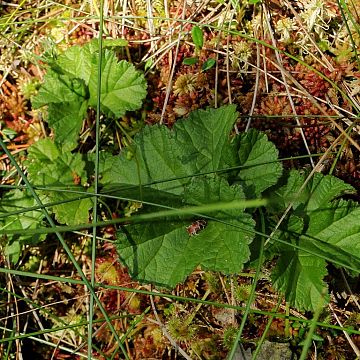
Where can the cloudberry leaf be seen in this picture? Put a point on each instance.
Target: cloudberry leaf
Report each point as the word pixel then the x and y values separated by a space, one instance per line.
pixel 331 233
pixel 19 201
pixel 59 89
pixel 168 159
pixel 164 253
pixel 62 173
pixel 315 195
pixel 259 160
pixel 71 85
pixel 299 275
pixel 66 121
pixel 77 62
pixel 122 87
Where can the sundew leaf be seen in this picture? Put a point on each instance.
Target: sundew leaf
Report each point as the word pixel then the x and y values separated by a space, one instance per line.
pixel 61 172
pixel 259 160
pixel 13 201
pixel 164 253
pixel 122 87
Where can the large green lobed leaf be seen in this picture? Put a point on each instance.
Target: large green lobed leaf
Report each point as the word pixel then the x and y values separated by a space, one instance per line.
pixel 175 162
pixel 204 138
pixel 71 85
pixel 66 121
pixel 122 87
pixel 299 275
pixel 19 201
pixel 331 232
pixel 59 89
pixel 317 193
pixel 260 167
pixel 164 253
pixel 78 61
pixel 168 159
pixel 61 173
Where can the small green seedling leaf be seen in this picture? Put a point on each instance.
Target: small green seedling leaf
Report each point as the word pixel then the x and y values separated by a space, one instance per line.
pixel 314 337
pixel 197 37
pixel 148 65
pixel 112 43
pixel 9 133
pixel 253 2
pixel 208 64
pixel 190 61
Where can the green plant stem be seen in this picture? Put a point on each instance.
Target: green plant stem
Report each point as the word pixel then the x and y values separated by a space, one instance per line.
pixel 253 289
pixel 267 328
pixel 338 154
pixel 313 324
pixel 136 321
pixel 61 239
pixel 287 322
pixel 96 182
pixel 173 297
pixel 47 313
pixel 191 211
